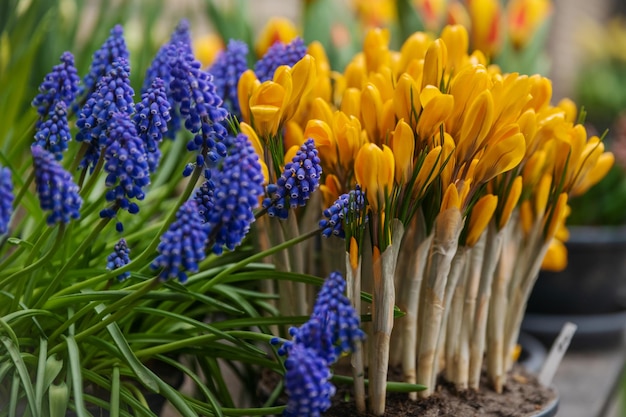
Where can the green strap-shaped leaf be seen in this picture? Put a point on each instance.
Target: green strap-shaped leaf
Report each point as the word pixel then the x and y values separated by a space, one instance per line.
pixel 75 374
pixel 20 366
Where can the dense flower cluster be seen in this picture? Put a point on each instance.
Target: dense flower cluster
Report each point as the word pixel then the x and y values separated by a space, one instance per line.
pixel 160 68
pixel 299 179
pixel 194 92
pixel 226 70
pixel 151 116
pixel 332 330
pixel 112 50
pixel 226 201
pixel 118 258
pixel 54 133
pixel 346 206
pixel 56 188
pixel 183 245
pixel 126 165
pixel 60 85
pixel 113 94
pixel 6 199
pixel 306 383
pixel 279 54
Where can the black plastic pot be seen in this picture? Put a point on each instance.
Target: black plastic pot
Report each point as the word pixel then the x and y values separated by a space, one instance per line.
pixel 590 292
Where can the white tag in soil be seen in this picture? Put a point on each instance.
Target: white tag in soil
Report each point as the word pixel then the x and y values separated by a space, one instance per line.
pixel 559 347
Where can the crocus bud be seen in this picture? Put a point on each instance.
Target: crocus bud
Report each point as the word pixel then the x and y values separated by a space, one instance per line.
pixel 479 219
pixel 374 169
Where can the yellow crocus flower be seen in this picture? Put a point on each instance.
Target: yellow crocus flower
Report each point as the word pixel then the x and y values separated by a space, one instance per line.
pixel 479 218
pixel 374 170
pixel 542 194
pixel 347 130
pixel 594 174
pixel 371 108
pixel 403 146
pixel 540 91
pixel 277 29
pixel 534 169
pixel 524 17
pixel 435 62
pixel 569 108
pixel 432 13
pixel 331 189
pixel 383 80
pixel 320 109
pixel 322 87
pixel 557 218
pixel 355 74
pixel 486 16
pixel 376 49
pixel 456 40
pixel 386 121
pixel 464 87
pixel 526 216
pixel 406 100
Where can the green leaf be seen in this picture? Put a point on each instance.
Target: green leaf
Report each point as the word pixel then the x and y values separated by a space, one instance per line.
pixel 143 374
pixel 22 371
pixel 115 392
pixel 41 375
pixel 58 399
pixel 75 375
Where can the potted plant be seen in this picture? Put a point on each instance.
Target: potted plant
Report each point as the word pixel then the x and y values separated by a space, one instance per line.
pixel 446 179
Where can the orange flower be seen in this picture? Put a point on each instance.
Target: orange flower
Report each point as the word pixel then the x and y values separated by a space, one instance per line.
pixel 277 29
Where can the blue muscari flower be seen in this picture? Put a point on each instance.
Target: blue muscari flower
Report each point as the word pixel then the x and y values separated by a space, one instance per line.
pixel 126 164
pixel 160 68
pixel 113 94
pixel 336 314
pixel 226 70
pixel 118 258
pixel 110 51
pixel 54 133
pixel 299 179
pixel 279 54
pixel 59 86
pixel 194 92
pixel 227 199
pixel 307 383
pixel 56 188
pixel 182 246
pixel 151 116
pixel 6 199
pixel 340 211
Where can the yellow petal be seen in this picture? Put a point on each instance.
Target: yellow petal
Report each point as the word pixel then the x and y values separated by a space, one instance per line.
pixel 524 18
pixel 555 259
pixel 541 93
pixel 320 109
pixel 403 145
pixel 247 130
pixel 291 152
pixel 375 48
pixel 386 121
pixel 486 18
pixel 371 108
pixel 542 194
pixel 351 102
pixel 405 101
pixel 557 217
pixel 436 107
pixel 248 82
pixel 434 63
pixel 450 198
pixel 354 253
pixel 331 189
pixel 293 135
pixel 355 73
pixel 502 156
pixel 595 174
pixel 477 123
pixel 526 216
pixel 304 77
pixel 324 139
pixel 374 169
pixel 511 201
pixel 347 130
pixel 207 48
pixel 569 107
pixel 479 218
pixel 457 41
pixel 413 48
pixel 428 171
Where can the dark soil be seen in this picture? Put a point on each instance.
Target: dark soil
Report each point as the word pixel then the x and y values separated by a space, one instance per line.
pixel 523 396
